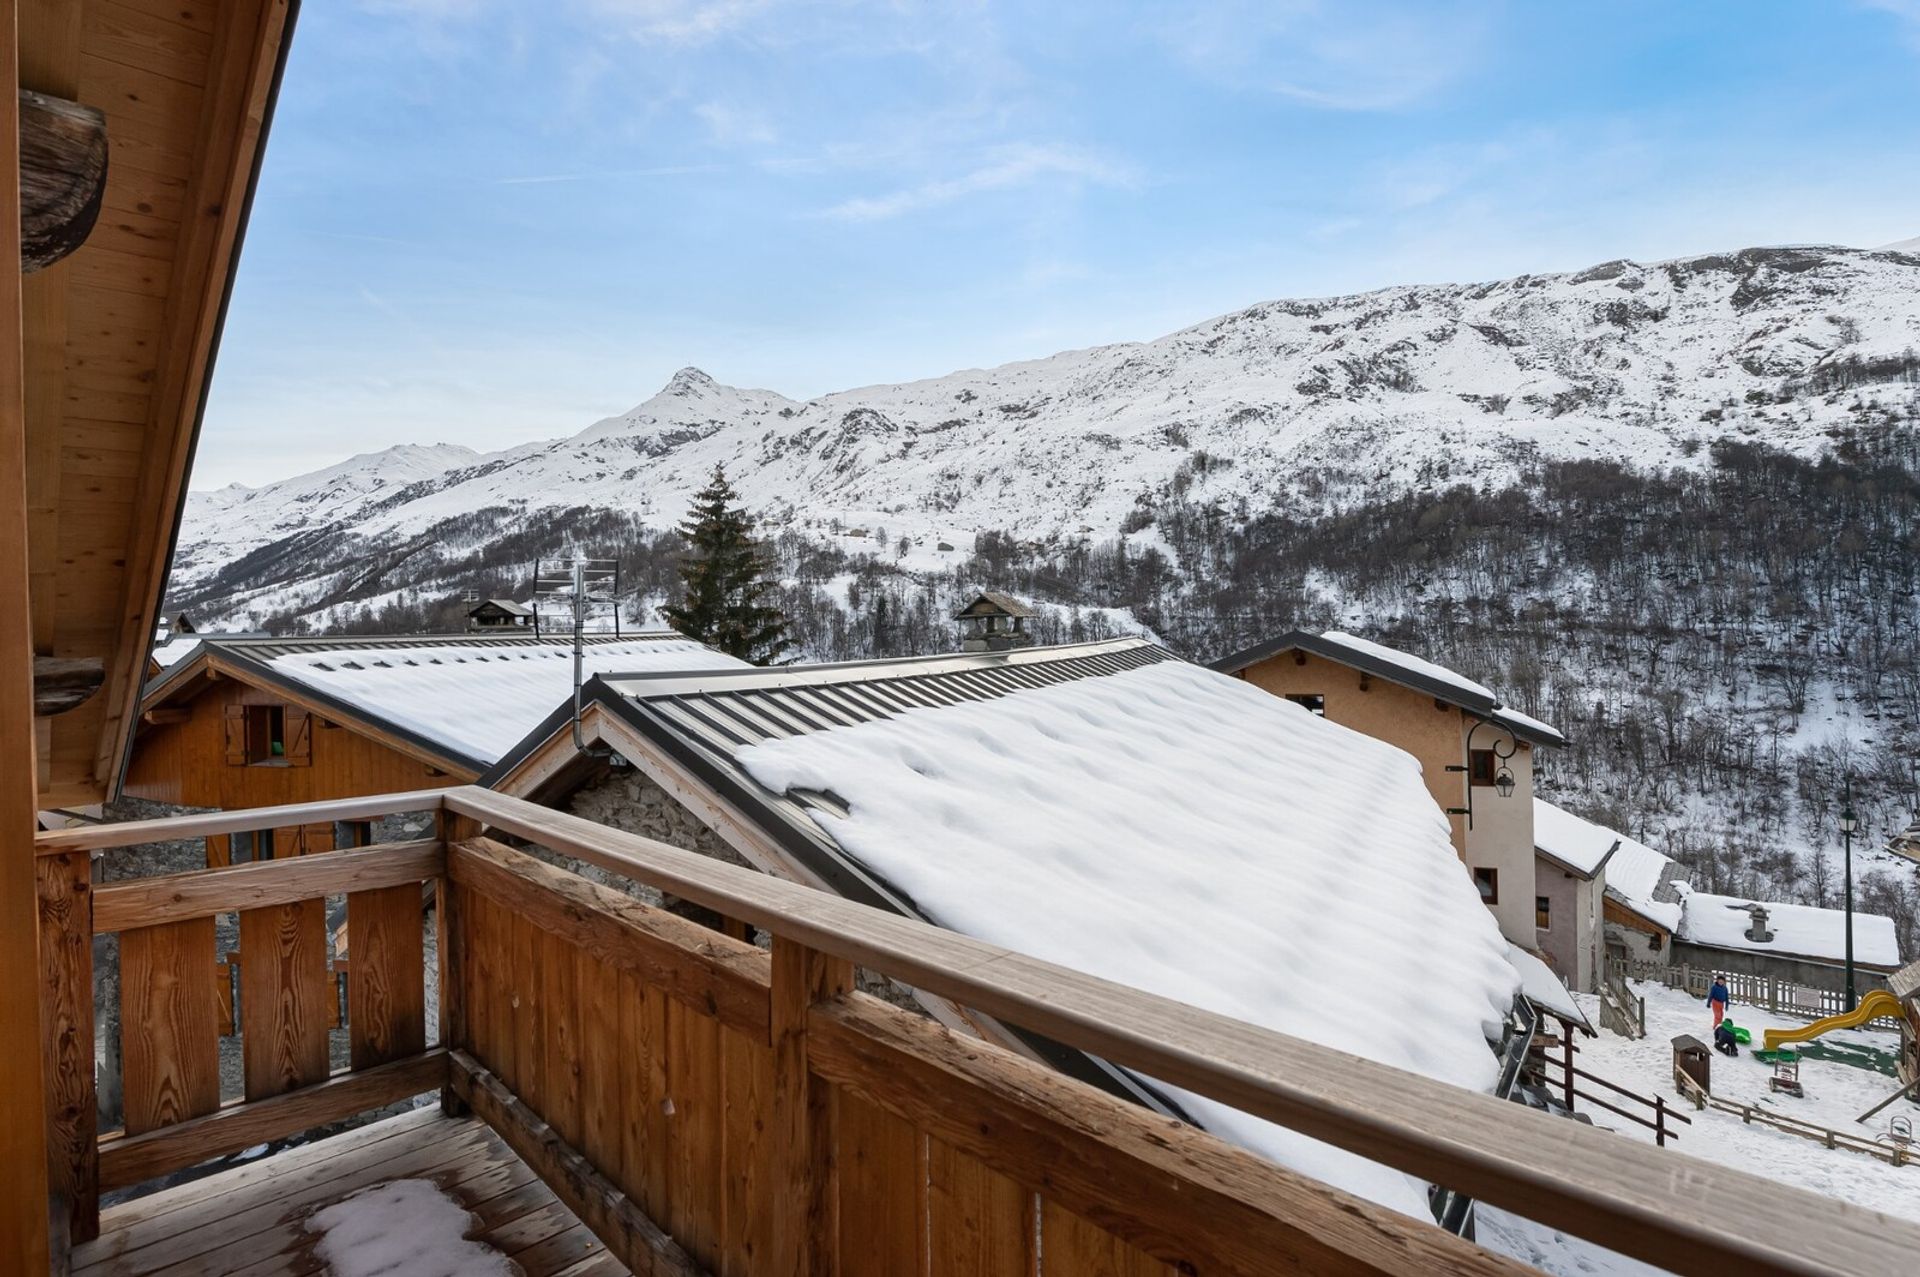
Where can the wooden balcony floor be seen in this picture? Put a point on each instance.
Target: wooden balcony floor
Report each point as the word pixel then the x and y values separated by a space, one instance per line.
pixel 252 1219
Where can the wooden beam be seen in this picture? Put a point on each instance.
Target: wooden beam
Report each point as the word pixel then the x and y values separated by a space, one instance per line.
pixel 1578 1179
pixel 806 1224
pixel 248 43
pixel 63 176
pixel 166 716
pixel 66 1016
pixel 61 683
pixel 709 972
pixel 615 1218
pixel 238 1124
pixel 1187 1198
pixel 197 893
pixel 132 833
pixel 25 1234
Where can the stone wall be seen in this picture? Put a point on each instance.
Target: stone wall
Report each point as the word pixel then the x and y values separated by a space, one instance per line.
pixel 625 799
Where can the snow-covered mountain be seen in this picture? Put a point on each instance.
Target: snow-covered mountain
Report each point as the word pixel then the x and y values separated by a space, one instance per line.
pixel 1287 401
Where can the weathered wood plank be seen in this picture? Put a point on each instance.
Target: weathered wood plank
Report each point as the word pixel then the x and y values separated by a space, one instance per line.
pixel 133 1159
pixel 880 1174
pixel 66 1037
pixel 1170 1189
pixel 169 1024
pixel 284 991
pixel 979 1222
pixel 805 1237
pixel 386 980
pixel 613 1216
pixel 145 902
pixel 63 176
pixel 1585 1182
pixel 699 967
pixel 64 683
pixel 133 832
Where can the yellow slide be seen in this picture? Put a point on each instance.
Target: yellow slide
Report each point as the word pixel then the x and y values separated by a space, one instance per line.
pixel 1874 1005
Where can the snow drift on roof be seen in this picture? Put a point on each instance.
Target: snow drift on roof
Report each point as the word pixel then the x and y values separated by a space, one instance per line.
pixel 1578 843
pixel 1412 664
pixel 1542 987
pixel 1801 930
pixel 1188 834
pixel 475 700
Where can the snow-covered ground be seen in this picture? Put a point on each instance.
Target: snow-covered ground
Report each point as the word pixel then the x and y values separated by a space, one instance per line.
pixel 403 1228
pixel 1836 1094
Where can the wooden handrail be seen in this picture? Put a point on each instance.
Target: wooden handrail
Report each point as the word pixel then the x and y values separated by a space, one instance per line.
pixel 131 833
pixel 1679 1213
pixel 148 902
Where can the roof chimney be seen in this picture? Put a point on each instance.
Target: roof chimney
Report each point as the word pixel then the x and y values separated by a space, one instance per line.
pixel 994 622
pixel 1757 929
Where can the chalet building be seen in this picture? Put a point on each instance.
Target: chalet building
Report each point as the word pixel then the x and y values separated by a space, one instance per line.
pixel 1652 916
pixel 257 722
pixel 621 1090
pixel 1475 754
pixel 494 615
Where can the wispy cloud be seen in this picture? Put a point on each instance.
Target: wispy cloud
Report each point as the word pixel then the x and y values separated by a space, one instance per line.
pixel 1356 55
pixel 1015 166
pixel 606 175
pixel 678 21
pixel 1907 12
pixel 731 125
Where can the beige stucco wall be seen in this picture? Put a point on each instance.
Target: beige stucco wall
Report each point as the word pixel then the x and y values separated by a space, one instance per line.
pixel 1435 733
pixel 1572 944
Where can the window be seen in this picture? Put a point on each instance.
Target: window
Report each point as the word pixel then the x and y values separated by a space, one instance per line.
pixel 1488 880
pixel 1312 702
pixel 266 733
pixel 352 833
pixel 1482 766
pixel 250 845
pixel 1542 913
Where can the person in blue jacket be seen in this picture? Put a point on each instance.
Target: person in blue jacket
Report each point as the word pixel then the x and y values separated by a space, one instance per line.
pixel 1717 999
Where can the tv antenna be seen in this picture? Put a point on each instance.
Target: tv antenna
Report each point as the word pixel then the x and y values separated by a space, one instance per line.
pixel 579 589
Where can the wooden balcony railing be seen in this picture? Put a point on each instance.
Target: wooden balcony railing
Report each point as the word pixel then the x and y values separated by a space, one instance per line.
pixel 705 1105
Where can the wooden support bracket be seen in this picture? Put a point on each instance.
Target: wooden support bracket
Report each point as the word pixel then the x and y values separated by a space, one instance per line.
pixel 63 177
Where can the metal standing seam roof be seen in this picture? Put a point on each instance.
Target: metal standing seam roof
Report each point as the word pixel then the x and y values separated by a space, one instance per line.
pixel 702 718
pixel 254 656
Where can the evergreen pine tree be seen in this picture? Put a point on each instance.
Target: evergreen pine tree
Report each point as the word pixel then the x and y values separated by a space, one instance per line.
pixel 723 580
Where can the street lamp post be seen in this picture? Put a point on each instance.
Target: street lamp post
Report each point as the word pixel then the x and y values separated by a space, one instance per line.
pixel 1848 824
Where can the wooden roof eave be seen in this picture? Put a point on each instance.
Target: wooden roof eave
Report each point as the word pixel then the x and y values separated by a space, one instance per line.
pixel 199 672
pixel 100 540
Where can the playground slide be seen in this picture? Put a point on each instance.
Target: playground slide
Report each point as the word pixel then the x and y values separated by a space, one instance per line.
pixel 1872 1007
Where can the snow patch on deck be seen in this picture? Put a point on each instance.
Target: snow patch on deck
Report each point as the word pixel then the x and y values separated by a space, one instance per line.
pixel 403 1228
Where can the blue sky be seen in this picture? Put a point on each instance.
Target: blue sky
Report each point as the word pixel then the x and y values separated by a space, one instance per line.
pixel 489 221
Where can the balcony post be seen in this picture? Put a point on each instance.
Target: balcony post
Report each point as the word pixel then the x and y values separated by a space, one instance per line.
pixel 65 899
pixel 806 1232
pixel 453 827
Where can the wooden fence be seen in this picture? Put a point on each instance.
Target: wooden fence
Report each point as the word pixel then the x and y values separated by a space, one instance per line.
pixel 1896 1154
pixel 1561 1073
pixel 1782 997
pixel 705 1105
pixel 1622 1011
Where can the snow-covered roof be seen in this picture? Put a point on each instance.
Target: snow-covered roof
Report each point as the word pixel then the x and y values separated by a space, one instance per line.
pixel 1400 667
pixel 1543 988
pixel 1580 845
pixel 1803 931
pixel 469 698
pixel 1106 823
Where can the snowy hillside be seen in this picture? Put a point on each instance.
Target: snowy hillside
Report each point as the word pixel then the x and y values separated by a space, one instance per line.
pixel 1399 389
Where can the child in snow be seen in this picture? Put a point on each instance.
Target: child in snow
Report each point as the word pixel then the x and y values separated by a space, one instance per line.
pixel 1723 1039
pixel 1717 999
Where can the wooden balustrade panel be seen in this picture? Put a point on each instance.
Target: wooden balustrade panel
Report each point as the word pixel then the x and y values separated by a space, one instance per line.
pixel 66 1019
pixel 1072 1247
pixel 169 1024
pixel 880 1168
pixel 749 1193
pixel 386 979
pixel 979 1222
pixel 285 989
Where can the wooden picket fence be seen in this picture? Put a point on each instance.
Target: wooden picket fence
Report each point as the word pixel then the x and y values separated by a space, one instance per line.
pixel 1782 997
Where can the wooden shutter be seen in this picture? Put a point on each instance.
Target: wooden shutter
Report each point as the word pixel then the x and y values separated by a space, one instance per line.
pixel 236 721
pixel 299 727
